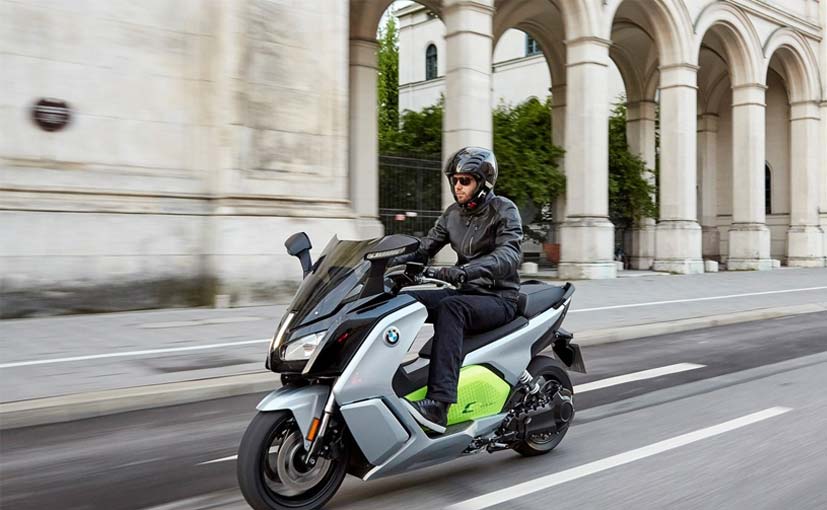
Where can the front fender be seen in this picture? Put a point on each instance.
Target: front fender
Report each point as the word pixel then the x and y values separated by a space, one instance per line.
pixel 305 402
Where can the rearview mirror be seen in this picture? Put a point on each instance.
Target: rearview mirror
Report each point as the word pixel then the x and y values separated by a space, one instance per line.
pixel 298 245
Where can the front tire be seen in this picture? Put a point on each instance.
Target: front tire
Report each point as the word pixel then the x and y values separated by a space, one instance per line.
pixel 270 471
pixel 550 369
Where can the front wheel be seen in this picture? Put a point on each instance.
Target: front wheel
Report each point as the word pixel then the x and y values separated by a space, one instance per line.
pixel 549 369
pixel 271 472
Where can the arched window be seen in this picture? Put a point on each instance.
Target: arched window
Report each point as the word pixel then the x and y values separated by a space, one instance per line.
pixel 430 62
pixel 767 189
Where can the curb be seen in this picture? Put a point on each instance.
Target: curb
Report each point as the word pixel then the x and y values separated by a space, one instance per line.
pixel 42 411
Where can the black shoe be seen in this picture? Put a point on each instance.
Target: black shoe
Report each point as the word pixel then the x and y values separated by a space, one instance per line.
pixel 430 413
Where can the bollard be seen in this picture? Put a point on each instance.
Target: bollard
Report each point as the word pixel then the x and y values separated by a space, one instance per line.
pixel 710 266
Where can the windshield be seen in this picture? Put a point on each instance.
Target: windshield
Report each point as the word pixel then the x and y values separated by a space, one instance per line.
pixel 339 270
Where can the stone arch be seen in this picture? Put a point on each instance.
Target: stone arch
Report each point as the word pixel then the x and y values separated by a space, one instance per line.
pixel 525 16
pixel 798 62
pixel 365 15
pixel 739 37
pixel 670 23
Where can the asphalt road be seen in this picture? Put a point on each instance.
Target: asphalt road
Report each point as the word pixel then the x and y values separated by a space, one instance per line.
pixel 744 430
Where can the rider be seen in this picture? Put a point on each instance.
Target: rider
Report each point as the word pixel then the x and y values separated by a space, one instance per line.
pixel 485 231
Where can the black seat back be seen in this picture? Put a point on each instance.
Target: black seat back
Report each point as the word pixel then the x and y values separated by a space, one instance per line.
pixel 536 297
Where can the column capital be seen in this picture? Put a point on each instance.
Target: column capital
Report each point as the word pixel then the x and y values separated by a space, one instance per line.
pixel 363 53
pixel 678 75
pixel 558 95
pixel 801 110
pixel 484 6
pixel 749 94
pixel 641 110
pixel 587 50
pixel 708 122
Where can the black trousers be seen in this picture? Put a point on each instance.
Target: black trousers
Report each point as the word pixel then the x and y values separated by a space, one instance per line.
pixel 454 314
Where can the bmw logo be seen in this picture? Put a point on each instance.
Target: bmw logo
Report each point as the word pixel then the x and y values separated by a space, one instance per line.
pixel 392 336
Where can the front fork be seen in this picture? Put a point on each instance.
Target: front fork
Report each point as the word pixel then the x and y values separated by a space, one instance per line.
pixel 318 432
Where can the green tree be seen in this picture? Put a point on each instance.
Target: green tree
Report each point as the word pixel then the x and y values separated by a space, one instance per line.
pixel 388 78
pixel 530 175
pixel 630 194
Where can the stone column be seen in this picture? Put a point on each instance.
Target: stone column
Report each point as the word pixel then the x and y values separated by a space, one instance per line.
pixel 822 147
pixel 363 158
pixel 708 169
pixel 749 237
pixel 587 235
pixel 678 235
pixel 558 133
pixel 805 241
pixel 640 133
pixel 468 49
pixel 468 120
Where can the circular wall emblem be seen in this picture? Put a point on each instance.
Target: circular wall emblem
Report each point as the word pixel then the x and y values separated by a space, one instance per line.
pixel 51 114
pixel 392 336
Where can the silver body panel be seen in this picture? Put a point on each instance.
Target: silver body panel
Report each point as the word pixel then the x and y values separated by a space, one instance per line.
pixel 375 429
pixel 305 402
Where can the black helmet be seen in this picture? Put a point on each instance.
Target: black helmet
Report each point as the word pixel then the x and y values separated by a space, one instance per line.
pixel 478 162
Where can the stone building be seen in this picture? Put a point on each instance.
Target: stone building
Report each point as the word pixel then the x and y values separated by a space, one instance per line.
pixel 202 132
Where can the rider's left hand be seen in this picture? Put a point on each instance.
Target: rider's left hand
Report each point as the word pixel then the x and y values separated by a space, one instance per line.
pixel 454 275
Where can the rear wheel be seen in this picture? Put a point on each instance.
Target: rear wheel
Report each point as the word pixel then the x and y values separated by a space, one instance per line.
pixel 271 471
pixel 551 371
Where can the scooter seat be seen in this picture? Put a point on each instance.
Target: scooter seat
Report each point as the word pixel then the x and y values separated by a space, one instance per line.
pixel 536 297
pixel 475 341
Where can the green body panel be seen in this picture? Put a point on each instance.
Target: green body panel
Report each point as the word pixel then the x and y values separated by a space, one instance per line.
pixel 480 393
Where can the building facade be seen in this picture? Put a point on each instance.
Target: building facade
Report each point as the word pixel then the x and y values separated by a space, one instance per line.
pixel 202 132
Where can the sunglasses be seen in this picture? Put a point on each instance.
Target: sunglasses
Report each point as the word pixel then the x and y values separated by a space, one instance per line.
pixel 462 179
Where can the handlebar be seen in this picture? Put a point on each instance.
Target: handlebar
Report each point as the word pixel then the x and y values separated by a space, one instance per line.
pixel 441 283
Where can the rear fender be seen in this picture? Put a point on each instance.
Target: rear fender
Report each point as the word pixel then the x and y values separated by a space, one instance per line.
pixel 305 402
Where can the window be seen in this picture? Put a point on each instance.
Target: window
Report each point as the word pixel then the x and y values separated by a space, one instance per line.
pixel 531 46
pixel 430 62
pixel 767 189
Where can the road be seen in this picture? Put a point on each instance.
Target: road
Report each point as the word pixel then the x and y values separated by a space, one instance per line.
pixel 742 425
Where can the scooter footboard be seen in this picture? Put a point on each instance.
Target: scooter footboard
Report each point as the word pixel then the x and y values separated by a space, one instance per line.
pixel 305 402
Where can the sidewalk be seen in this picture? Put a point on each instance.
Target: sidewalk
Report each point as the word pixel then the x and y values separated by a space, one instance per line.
pixel 96 364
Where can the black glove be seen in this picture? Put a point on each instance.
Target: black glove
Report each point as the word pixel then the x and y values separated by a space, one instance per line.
pixel 452 274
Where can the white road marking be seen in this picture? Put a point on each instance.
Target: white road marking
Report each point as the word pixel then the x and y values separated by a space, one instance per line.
pixel 130 353
pixel 223 459
pixel 635 376
pixel 691 300
pixel 554 479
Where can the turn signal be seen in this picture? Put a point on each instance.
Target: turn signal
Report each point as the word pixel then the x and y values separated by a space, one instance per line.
pixel 314 428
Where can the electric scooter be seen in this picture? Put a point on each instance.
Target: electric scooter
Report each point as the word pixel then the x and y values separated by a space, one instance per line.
pixel 342 409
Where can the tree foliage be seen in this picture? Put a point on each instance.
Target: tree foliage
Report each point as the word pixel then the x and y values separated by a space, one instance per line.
pixel 388 78
pixel 630 193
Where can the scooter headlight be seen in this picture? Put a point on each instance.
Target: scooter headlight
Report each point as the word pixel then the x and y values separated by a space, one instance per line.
pixel 303 348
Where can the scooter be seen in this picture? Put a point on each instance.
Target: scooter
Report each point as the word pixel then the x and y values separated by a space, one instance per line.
pixel 340 349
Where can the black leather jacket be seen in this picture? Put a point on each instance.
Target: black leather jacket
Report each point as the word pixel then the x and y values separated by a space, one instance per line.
pixel 487 241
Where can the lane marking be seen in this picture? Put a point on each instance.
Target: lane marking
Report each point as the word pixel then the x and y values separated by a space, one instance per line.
pixel 130 353
pixel 223 459
pixel 635 376
pixel 552 480
pixel 691 300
